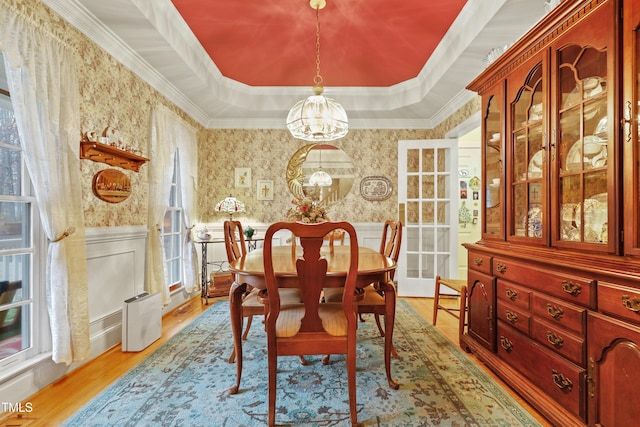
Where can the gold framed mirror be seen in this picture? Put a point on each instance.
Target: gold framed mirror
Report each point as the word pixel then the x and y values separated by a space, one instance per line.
pixel 321 157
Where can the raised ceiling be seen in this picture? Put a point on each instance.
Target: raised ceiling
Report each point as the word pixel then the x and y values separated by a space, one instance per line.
pixel 243 64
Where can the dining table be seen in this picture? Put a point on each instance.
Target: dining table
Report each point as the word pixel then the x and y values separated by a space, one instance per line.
pixel 373 267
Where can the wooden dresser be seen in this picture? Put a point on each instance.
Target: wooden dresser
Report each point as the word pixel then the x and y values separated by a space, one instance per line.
pixel 554 283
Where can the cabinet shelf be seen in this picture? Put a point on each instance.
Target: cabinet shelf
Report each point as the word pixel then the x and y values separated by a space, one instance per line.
pixel 103 153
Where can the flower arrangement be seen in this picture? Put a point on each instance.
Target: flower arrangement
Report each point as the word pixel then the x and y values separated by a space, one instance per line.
pixel 307 209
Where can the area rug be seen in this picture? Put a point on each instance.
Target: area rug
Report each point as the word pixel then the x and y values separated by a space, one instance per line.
pixel 186 381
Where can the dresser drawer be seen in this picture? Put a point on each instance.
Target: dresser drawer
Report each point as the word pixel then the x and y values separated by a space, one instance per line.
pixel 514 294
pixel 560 341
pixel 557 377
pixel 579 290
pixel 479 261
pixel 560 313
pixel 514 316
pixel 620 301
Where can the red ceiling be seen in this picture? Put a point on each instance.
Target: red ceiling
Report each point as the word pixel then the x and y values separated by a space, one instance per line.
pixel 362 42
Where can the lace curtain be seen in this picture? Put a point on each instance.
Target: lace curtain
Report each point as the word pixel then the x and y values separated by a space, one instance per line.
pixel 169 134
pixel 42 80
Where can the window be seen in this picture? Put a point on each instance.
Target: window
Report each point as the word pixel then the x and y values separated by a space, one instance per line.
pixel 172 231
pixel 18 255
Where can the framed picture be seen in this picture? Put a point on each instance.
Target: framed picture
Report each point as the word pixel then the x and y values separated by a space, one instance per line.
pixel 243 177
pixel 265 189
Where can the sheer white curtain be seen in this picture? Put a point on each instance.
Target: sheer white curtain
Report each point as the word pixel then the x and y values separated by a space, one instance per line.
pixel 168 134
pixel 187 144
pixel 41 75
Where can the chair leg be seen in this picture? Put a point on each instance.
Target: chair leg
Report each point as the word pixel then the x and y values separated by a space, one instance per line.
pixel 351 381
pixel 246 330
pixel 463 310
pixel 436 300
pixel 389 321
pixel 235 311
pixel 272 368
pixel 377 317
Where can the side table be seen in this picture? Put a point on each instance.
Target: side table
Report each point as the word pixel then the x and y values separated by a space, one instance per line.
pixel 222 290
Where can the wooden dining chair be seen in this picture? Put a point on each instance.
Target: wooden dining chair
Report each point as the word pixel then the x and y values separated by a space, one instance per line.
pixel 311 327
pixel 236 247
pixel 374 295
pixel 336 236
pixel 377 296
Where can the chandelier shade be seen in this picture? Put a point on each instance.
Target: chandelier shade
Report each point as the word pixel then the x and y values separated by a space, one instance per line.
pixel 317 118
pixel 320 178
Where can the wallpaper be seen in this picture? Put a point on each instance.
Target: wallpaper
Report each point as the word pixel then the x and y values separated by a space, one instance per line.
pixel 113 96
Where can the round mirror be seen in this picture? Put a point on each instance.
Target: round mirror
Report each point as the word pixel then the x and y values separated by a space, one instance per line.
pixel 322 165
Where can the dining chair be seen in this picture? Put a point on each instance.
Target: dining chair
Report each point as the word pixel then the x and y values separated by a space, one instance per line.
pixel 336 236
pixel 252 302
pixel 311 327
pixel 236 247
pixel 377 296
pixel 374 299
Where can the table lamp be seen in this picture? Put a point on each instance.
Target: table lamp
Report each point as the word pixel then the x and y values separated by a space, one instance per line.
pixel 230 205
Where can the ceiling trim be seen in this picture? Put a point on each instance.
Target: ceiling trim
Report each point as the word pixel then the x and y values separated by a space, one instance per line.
pixel 77 15
pixel 152 40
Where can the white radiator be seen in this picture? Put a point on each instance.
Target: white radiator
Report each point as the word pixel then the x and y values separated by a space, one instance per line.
pixel 141 321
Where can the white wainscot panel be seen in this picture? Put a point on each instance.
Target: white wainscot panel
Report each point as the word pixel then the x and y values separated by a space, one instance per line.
pixel 116 272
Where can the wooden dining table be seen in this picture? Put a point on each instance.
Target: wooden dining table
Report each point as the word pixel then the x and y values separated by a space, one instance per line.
pixel 373 267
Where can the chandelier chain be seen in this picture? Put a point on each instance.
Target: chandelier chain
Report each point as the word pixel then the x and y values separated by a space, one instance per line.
pixel 317 80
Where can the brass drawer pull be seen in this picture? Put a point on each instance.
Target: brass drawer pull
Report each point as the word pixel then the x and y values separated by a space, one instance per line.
pixel 511 294
pixel 506 344
pixel 632 304
pixel 501 268
pixel 555 340
pixel 478 261
pixel 559 380
pixel 554 312
pixel 571 288
pixel 512 317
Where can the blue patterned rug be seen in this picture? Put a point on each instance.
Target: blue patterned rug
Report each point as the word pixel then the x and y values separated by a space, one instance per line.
pixel 185 383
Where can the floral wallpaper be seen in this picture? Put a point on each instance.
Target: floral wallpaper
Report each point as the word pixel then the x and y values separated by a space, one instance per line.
pixel 113 96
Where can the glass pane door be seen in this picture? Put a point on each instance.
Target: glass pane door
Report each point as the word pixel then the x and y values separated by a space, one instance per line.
pixel 529 158
pixel 427 177
pixel 583 145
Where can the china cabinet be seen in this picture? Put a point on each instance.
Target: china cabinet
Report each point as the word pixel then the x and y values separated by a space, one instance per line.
pixel 554 283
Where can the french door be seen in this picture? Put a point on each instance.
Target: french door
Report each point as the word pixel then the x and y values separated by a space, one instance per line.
pixel 427 196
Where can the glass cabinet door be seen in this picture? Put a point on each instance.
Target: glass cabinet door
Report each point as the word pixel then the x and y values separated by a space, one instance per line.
pixel 631 128
pixel 528 153
pixel 583 140
pixel 493 122
pixel 584 151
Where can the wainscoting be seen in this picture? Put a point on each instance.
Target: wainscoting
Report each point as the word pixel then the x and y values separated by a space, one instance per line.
pixel 116 265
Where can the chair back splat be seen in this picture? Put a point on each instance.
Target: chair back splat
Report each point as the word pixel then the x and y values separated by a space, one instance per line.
pixel 311 327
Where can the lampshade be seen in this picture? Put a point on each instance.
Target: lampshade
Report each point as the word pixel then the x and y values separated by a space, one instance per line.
pixel 230 205
pixel 317 118
pixel 320 178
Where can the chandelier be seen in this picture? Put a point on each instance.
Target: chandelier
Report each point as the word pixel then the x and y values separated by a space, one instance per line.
pixel 320 177
pixel 317 118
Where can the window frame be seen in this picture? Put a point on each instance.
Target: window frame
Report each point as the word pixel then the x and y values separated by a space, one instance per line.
pixel 175 232
pixel 37 325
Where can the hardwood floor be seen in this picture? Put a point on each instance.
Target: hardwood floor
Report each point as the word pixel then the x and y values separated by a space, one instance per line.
pixel 58 401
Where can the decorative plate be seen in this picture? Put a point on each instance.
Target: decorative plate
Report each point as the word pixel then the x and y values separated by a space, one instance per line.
pixel 375 188
pixel 111 185
pixel 535 165
pixel 535 221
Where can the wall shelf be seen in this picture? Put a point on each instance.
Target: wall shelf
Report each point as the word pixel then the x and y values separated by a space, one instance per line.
pixel 103 153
